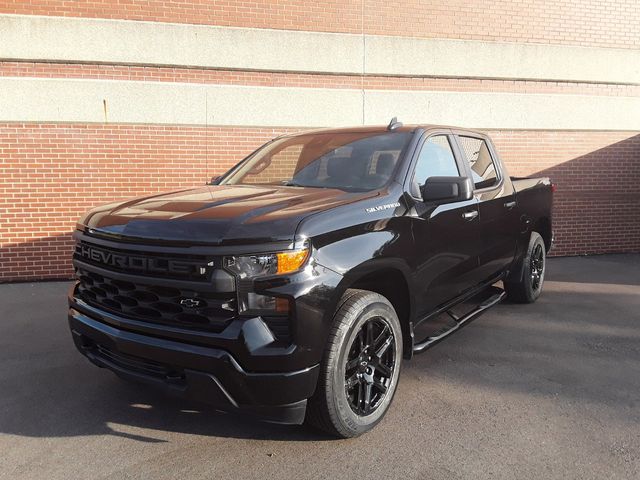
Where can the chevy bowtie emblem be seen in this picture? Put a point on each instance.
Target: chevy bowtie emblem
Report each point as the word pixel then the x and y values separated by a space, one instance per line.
pixel 190 302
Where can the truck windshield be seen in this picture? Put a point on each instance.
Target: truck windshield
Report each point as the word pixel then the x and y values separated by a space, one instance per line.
pixel 352 161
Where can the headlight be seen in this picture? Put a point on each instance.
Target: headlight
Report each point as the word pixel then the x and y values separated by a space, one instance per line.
pixel 252 266
pixel 248 267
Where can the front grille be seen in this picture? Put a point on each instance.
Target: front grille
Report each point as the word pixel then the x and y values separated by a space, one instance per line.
pixel 157 304
pixel 179 267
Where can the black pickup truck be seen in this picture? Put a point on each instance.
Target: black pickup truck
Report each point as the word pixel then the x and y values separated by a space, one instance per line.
pixel 292 286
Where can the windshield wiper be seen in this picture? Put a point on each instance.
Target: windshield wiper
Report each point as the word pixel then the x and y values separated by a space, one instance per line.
pixel 289 183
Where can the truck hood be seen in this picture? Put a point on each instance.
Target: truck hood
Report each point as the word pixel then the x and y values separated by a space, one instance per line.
pixel 217 215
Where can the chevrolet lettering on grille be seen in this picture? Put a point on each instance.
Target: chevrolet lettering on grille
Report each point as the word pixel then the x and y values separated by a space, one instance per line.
pixel 139 263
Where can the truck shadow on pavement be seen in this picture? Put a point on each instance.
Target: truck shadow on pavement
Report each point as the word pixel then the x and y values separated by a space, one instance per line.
pixel 81 401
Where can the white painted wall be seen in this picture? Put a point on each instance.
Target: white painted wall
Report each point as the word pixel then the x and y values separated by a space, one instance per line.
pixel 26 37
pixel 76 100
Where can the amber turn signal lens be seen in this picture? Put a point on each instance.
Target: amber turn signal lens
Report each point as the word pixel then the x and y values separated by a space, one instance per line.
pixel 292 261
pixel 282 305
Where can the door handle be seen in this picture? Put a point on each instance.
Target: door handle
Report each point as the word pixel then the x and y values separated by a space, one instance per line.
pixel 470 215
pixel 510 205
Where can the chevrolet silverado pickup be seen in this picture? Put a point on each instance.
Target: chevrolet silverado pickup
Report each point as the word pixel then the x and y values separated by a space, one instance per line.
pixel 291 287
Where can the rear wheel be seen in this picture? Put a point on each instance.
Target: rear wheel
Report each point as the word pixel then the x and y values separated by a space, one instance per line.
pixel 361 365
pixel 529 288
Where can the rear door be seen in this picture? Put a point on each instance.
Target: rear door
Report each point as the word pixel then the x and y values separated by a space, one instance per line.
pixel 445 235
pixel 496 202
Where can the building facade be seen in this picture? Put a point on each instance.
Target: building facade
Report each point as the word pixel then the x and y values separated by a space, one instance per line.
pixel 105 100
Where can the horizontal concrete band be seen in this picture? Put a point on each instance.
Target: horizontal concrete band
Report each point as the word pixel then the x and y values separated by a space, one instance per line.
pixel 41 38
pixel 112 101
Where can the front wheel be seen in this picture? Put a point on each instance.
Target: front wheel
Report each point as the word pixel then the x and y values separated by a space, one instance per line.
pixel 361 365
pixel 529 288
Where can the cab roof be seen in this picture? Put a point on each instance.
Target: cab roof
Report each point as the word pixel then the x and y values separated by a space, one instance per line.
pixel 380 129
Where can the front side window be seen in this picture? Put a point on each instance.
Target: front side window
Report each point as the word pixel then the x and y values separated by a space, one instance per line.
pixel 352 161
pixel 436 159
pixel 483 168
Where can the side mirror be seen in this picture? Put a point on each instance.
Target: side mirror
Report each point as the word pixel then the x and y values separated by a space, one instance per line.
pixel 447 189
pixel 214 180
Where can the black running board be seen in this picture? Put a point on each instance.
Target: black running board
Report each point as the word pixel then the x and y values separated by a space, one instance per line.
pixel 497 296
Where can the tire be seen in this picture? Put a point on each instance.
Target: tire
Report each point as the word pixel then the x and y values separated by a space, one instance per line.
pixel 529 288
pixel 351 371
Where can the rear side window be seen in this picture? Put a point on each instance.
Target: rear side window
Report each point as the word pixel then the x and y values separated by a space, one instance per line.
pixel 436 159
pixel 483 168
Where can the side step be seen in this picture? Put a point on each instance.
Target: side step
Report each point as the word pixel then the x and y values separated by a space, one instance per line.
pixel 496 296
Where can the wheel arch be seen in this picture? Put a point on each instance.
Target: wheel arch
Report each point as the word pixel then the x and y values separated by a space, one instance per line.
pixel 543 227
pixel 517 268
pixel 390 278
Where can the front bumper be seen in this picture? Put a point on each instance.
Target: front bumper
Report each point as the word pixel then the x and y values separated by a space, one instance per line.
pixel 202 373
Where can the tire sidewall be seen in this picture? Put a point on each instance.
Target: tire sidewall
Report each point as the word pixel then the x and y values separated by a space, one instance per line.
pixel 532 293
pixel 338 401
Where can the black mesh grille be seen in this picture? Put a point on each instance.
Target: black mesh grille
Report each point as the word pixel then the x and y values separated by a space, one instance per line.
pixel 168 305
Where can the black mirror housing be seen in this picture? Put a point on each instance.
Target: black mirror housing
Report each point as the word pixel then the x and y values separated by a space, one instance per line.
pixel 447 189
pixel 215 180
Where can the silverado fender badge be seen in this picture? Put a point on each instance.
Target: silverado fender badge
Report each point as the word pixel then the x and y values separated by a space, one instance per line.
pixel 386 206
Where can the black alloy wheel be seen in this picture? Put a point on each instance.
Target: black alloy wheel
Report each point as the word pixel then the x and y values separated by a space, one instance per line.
pixel 360 368
pixel 369 366
pixel 530 274
pixel 537 266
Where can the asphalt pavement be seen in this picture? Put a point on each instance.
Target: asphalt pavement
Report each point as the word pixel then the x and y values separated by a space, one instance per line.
pixel 544 391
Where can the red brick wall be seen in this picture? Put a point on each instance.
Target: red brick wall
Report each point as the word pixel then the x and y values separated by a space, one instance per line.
pixel 569 22
pixel 597 202
pixel 50 174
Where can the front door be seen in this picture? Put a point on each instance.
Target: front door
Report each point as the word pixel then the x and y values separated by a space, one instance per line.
pixel 446 235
